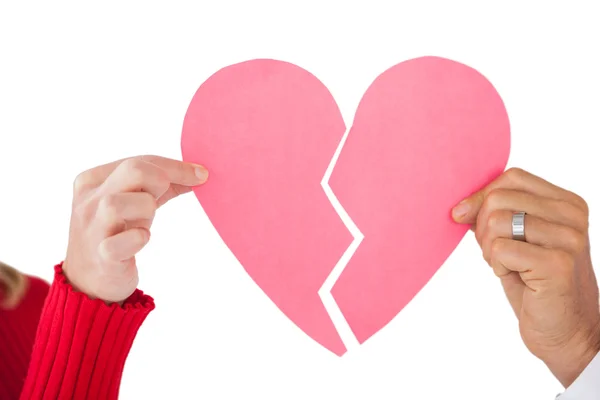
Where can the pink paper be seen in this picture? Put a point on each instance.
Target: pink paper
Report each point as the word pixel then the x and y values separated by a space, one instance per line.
pixel 428 132
pixel 267 130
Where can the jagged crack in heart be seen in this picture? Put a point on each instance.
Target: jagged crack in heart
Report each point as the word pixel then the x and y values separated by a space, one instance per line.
pixel 336 315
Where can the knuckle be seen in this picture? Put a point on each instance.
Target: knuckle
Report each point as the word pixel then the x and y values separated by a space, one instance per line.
pixel 133 164
pixel 584 206
pixel 514 174
pixel 108 206
pixel 576 241
pixel 499 270
pixel 82 182
pixel 494 221
pixel 496 248
pixel 578 217
pixel 581 204
pixel 104 251
pixel 135 170
pixel 492 199
pixel 140 236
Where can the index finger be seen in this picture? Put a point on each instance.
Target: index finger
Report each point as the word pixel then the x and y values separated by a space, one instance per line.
pixel 514 179
pixel 178 172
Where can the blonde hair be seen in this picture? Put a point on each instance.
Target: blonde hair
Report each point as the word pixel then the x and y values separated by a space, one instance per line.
pixel 13 284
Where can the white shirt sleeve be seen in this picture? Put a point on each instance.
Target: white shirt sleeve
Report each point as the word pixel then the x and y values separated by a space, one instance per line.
pixel 587 385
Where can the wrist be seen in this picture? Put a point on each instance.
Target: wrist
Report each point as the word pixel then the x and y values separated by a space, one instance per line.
pixel 69 280
pixel 572 360
pixel 72 282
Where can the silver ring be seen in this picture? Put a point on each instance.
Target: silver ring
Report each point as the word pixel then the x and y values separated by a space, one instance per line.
pixel 518 226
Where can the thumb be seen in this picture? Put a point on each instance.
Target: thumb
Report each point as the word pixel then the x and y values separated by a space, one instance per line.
pixel 466 211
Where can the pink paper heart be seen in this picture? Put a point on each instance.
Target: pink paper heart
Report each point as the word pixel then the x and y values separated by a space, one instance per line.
pixel 427 133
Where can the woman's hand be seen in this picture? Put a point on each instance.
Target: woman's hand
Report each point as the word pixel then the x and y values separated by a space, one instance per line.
pixel 113 209
pixel 549 279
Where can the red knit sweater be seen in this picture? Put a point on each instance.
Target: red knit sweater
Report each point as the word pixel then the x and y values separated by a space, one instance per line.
pixel 60 344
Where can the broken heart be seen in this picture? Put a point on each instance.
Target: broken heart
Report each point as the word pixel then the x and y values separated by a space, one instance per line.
pixel 427 133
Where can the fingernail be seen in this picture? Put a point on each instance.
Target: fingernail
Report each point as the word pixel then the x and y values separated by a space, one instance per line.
pixel 201 173
pixel 460 210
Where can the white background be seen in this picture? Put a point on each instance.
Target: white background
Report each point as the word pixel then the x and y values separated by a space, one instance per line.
pixel 82 85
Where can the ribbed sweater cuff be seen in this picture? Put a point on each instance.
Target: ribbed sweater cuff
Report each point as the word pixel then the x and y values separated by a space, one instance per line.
pixel 82 344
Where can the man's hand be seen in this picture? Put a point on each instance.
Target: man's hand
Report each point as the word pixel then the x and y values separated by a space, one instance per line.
pixel 113 209
pixel 549 279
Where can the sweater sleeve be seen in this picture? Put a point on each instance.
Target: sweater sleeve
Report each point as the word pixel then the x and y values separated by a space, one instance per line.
pixel 81 344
